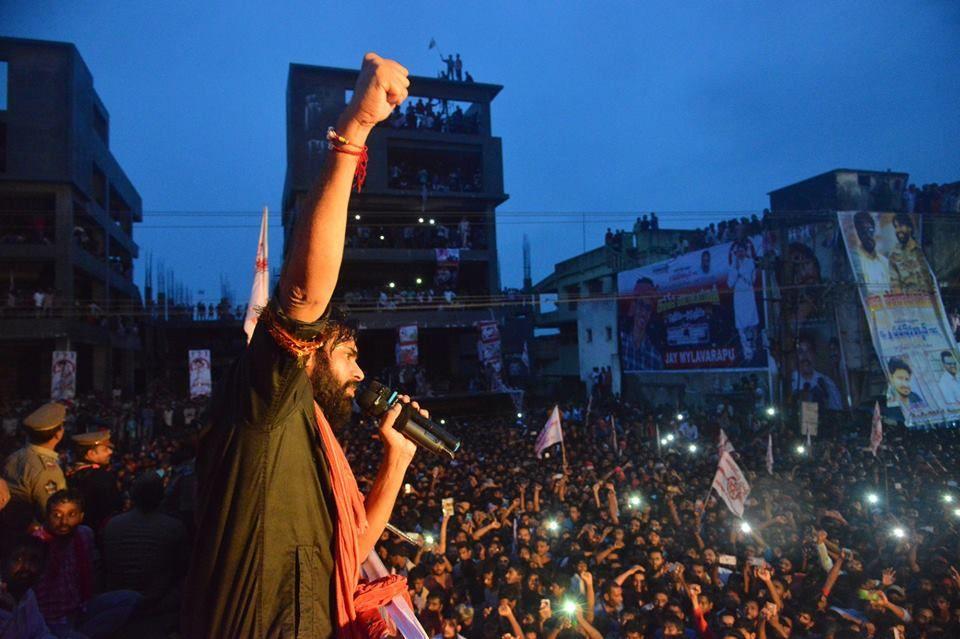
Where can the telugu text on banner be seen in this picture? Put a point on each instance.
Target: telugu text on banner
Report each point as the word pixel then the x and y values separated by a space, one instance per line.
pixel 908 325
pixel 700 311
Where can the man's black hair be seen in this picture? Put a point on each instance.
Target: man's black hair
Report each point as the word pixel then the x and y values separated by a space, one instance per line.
pixel 945 354
pixel 510 591
pixel 861 217
pixel 44 436
pixel 903 219
pixel 67 495
pixel 147 492
pixel 896 364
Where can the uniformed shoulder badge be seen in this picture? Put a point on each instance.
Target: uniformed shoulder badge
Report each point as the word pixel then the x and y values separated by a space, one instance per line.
pixel 51 487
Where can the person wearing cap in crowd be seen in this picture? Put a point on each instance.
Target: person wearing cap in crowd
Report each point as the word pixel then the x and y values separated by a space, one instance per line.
pixel 33 472
pixel 90 475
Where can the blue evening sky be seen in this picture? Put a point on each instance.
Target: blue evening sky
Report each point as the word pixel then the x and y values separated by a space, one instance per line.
pixel 609 108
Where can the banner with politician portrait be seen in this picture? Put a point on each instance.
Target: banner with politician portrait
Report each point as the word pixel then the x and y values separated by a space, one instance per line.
pixel 702 310
pixel 201 383
pixel 808 352
pixel 909 327
pixel 63 375
pixel 407 349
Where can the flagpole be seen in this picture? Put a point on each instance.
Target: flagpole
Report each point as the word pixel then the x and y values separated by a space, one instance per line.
pixel 586 421
pixel 563 450
pixel 613 428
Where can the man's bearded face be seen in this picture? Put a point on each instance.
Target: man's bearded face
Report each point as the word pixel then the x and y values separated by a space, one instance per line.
pixel 333 389
pixel 904 233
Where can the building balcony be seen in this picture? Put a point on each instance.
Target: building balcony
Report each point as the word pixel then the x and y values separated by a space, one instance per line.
pixel 101 270
pixel 75 329
pixel 423 318
pixel 114 230
pixel 406 256
pixel 28 252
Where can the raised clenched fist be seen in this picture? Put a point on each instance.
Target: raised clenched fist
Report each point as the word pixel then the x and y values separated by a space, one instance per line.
pixel 381 86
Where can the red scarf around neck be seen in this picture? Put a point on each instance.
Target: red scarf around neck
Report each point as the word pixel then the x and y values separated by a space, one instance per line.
pixel 358 605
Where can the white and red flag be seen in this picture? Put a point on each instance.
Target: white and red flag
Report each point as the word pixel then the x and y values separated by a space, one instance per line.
pixel 724 445
pixel 731 485
pixel 551 434
pixel 876 430
pixel 260 292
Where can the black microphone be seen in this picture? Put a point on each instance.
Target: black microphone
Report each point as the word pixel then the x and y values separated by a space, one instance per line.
pixel 375 399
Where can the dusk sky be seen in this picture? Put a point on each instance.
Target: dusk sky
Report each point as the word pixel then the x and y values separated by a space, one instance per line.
pixel 694 110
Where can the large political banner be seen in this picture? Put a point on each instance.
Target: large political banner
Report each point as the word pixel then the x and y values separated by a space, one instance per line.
pixel 63 375
pixel 809 352
pixel 908 325
pixel 702 310
pixel 200 381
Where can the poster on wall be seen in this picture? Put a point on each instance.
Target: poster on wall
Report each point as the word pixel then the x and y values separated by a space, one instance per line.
pixel 63 375
pixel 808 352
pixel 407 350
pixel 702 310
pixel 448 268
pixel 908 325
pixel 490 355
pixel 200 381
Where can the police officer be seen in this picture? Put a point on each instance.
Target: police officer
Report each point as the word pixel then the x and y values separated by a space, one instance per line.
pixel 92 477
pixel 33 473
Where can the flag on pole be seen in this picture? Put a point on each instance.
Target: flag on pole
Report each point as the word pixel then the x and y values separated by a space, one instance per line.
pixel 724 445
pixel 397 611
pixel 770 454
pixel 261 282
pixel 876 431
pixel 433 44
pixel 731 485
pixel 551 434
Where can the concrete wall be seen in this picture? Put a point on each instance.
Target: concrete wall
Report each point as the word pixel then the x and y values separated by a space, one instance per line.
pixel 597 340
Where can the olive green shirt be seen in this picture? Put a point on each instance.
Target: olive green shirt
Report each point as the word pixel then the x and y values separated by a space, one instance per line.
pixel 262 563
pixel 908 270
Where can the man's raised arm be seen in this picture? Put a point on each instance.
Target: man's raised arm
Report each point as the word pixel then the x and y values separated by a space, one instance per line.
pixel 313 264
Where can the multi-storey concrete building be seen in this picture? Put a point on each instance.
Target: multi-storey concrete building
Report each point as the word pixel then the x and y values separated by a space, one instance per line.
pixel 576 318
pixel 67 211
pixel 434 180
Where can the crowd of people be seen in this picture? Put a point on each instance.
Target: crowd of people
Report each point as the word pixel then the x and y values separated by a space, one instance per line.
pixel 420 232
pixel 647 227
pixel 407 176
pixel 625 540
pixel 453 69
pixel 390 299
pixel 932 198
pixel 434 115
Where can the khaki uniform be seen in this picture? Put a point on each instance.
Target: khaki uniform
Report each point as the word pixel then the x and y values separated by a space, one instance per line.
pixel 33 473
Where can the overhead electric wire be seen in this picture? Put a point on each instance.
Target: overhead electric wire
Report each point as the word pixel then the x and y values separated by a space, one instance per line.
pixel 474 302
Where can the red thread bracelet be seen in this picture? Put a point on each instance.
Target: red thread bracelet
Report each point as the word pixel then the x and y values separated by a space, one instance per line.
pixel 338 143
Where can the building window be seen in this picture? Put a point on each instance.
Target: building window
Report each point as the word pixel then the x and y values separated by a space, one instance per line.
pixel 4 67
pixel 451 170
pixel 100 124
pixel 589 336
pixel 609 332
pixel 98 184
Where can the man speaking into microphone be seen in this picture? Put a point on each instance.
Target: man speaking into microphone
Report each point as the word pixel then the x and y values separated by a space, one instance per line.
pixel 281 526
